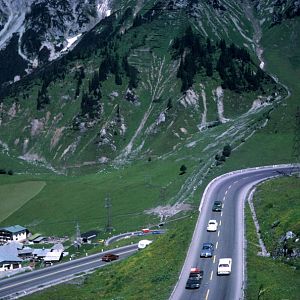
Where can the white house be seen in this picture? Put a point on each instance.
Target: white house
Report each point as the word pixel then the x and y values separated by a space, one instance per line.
pixel 9 259
pixel 15 233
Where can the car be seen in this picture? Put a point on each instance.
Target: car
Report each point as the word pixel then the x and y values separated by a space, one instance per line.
pixel 224 266
pixel 110 257
pixel 207 250
pixel 194 279
pixel 212 225
pixel 217 206
pixel 143 244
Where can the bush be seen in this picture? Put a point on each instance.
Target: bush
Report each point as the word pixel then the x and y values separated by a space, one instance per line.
pixel 226 150
pixel 183 169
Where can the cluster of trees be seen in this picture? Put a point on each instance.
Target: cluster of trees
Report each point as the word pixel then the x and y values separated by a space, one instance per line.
pixel 233 63
pixel 236 69
pixel 226 152
pixel 194 55
pixel 79 76
pixel 43 97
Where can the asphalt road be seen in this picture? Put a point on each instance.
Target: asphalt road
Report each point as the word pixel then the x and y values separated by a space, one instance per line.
pixel 26 283
pixel 232 189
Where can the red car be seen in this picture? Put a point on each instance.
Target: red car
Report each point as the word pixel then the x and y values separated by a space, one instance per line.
pixel 110 257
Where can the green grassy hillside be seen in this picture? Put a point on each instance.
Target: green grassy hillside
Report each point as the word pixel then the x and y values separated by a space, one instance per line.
pixel 139 169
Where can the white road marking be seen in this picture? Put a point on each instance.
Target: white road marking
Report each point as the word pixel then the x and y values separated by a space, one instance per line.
pixel 214 259
pixel 229 187
pixel 211 275
pixel 207 293
pixel 60 271
pixel 224 198
pixel 221 214
pixel 217 245
pixel 220 222
pixel 219 233
pixel 226 192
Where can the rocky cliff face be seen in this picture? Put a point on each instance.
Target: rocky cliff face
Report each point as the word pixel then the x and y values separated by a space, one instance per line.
pixel 41 31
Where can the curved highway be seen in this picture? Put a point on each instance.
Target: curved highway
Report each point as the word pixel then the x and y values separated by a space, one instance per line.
pixel 26 283
pixel 232 189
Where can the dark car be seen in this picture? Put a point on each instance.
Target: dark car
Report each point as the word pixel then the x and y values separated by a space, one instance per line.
pixel 110 257
pixel 217 206
pixel 195 279
pixel 207 250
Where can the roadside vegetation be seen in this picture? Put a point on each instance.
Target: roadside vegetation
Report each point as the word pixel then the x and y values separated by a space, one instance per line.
pixel 275 277
pixel 148 274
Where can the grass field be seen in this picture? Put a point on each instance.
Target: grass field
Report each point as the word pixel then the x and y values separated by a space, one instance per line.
pixel 272 278
pixel 15 195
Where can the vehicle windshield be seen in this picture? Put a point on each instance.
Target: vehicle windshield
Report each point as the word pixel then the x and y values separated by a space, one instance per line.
pixel 224 265
pixel 206 247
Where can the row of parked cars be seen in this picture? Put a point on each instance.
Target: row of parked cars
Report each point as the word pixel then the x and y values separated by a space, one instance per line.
pixel 224 264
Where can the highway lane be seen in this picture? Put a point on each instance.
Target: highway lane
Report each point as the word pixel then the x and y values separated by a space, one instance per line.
pixel 32 281
pixel 232 189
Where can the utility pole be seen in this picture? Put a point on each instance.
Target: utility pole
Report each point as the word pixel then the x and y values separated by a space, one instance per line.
pixel 108 206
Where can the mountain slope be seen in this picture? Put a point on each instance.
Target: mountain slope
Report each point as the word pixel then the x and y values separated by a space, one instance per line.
pixel 118 94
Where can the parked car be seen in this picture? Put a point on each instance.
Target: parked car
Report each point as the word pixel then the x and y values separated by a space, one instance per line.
pixel 224 266
pixel 143 244
pixel 207 250
pixel 110 257
pixel 217 206
pixel 212 225
pixel 194 279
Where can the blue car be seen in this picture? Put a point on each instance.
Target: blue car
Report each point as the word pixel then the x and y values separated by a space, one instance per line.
pixel 207 250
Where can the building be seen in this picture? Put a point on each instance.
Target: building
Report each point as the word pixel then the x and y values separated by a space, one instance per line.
pixel 15 233
pixel 87 237
pixel 9 259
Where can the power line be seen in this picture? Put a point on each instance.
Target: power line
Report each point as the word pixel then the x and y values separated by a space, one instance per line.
pixel 108 206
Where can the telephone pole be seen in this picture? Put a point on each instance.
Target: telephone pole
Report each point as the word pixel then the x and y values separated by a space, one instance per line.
pixel 108 206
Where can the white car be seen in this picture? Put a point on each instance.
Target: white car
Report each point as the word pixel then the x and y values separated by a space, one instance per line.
pixel 143 244
pixel 224 266
pixel 212 225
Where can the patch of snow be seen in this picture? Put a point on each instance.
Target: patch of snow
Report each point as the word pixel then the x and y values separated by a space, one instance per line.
pixel 71 42
pixel 17 78
pixel 103 9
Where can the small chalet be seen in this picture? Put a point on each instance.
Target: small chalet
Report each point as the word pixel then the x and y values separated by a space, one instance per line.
pixel 15 233
pixel 87 237
pixel 9 259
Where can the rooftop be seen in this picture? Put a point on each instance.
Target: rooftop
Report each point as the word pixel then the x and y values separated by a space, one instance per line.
pixel 13 229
